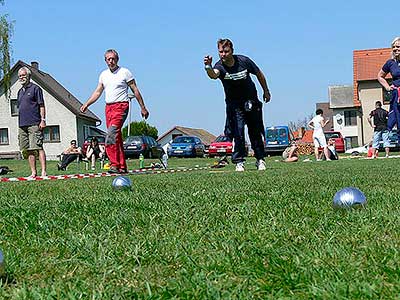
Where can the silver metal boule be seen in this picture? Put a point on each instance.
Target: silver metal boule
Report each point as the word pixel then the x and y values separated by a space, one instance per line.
pixel 349 197
pixel 122 183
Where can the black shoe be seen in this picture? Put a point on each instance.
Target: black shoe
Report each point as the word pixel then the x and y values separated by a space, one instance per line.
pixel 123 171
pixel 113 170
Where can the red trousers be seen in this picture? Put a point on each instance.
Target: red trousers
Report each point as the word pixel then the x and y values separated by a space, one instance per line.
pixel 116 114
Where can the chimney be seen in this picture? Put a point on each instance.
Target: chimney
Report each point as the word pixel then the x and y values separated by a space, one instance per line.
pixel 35 65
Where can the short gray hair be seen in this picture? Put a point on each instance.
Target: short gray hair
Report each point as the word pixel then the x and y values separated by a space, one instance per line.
pixel 112 51
pixel 27 71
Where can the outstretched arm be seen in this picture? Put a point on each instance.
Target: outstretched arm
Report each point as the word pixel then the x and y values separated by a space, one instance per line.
pixel 93 98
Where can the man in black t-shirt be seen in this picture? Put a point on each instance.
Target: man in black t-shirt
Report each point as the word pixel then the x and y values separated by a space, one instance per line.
pixel 380 117
pixel 242 104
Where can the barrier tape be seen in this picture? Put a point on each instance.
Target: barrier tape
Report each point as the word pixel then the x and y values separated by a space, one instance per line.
pixel 97 175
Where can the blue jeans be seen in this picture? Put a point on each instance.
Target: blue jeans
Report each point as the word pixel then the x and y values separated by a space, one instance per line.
pixel 381 135
pixel 236 119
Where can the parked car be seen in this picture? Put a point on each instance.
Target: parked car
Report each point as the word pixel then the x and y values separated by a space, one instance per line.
pixel 339 140
pixel 393 140
pixel 358 150
pixel 186 146
pixel 100 139
pixel 222 146
pixel 277 139
pixel 146 145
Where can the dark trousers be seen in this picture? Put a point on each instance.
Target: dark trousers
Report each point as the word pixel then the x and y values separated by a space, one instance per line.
pixel 236 119
pixel 67 159
pixel 394 113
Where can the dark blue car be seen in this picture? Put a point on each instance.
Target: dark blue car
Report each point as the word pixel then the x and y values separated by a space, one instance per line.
pixel 277 138
pixel 186 146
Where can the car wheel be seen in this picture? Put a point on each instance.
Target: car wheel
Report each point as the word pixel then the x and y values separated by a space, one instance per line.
pixel 355 153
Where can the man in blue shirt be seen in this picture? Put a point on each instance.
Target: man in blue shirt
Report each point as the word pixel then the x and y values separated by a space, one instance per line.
pixel 242 104
pixel 32 121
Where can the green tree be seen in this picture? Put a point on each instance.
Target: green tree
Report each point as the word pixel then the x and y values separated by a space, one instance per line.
pixel 140 128
pixel 6 30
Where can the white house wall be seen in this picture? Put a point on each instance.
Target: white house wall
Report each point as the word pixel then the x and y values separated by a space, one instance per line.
pixel 369 92
pixel 347 131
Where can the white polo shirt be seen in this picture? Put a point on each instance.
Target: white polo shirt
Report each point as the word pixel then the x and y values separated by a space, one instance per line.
pixel 116 84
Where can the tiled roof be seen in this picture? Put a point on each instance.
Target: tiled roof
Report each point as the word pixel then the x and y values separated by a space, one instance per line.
pixel 202 134
pixel 366 65
pixel 307 136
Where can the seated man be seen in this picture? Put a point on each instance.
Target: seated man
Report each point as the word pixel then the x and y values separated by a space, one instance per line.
pixel 95 151
pixel 69 155
pixel 290 154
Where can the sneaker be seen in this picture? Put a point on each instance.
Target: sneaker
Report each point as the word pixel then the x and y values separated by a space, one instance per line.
pixel 240 167
pixel 93 168
pixel 260 165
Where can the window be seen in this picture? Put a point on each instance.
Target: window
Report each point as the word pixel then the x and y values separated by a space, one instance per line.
pixel 350 118
pixel 51 134
pixel 4 136
pixel 351 142
pixel 14 107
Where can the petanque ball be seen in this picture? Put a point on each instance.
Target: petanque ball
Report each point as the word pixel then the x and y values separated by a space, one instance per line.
pixel 121 183
pixel 349 197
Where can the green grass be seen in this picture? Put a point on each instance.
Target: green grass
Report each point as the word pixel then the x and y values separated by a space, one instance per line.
pixel 212 234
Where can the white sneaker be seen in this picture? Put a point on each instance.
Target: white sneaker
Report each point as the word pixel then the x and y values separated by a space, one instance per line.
pixel 260 165
pixel 240 167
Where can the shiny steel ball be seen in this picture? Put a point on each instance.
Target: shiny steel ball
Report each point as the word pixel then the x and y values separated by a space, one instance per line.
pixel 349 197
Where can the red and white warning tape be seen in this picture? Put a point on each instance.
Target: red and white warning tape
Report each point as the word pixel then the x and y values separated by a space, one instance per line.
pixel 96 175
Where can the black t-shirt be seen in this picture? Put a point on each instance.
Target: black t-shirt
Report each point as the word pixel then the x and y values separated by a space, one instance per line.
pixel 236 80
pixel 380 118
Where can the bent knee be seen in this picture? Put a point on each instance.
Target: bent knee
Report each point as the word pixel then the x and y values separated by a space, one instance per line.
pixel 111 135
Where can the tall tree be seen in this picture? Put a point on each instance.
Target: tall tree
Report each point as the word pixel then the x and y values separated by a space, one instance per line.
pixel 140 128
pixel 6 30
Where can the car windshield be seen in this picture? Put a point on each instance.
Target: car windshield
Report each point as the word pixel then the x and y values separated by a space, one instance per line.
pixel 276 133
pixel 222 138
pixel 133 140
pixel 332 135
pixel 184 139
pixel 272 133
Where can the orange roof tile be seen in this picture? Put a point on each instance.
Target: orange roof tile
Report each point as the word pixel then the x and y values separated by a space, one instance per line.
pixel 366 65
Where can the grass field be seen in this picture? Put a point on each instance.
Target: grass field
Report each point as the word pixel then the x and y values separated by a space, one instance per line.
pixel 211 234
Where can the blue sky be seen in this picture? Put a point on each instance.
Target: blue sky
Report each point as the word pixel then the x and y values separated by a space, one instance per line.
pixel 301 46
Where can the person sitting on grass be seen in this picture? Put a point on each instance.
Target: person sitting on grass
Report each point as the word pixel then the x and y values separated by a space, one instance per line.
pixel 95 151
pixel 291 153
pixel 70 154
pixel 331 151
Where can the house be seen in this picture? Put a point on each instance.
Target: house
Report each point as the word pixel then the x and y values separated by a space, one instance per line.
pixel 347 117
pixel 64 120
pixel 367 90
pixel 166 138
